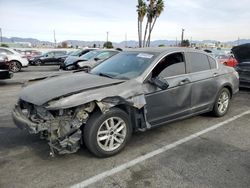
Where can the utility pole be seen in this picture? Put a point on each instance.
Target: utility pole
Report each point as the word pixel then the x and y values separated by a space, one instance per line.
pixel 238 41
pixel 107 36
pixel 182 36
pixel 55 38
pixel 1 35
pixel 126 45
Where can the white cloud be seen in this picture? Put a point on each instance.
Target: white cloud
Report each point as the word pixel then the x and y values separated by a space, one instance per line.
pixel 90 20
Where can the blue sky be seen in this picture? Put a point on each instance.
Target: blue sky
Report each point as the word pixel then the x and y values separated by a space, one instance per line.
pixel 221 20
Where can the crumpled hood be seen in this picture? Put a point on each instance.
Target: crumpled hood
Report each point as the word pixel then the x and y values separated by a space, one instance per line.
pixel 52 88
pixel 242 53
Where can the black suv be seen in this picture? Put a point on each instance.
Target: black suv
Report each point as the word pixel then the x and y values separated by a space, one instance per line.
pixel 51 57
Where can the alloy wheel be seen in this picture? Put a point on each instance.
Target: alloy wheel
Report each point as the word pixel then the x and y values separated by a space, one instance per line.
pixel 111 134
pixel 223 102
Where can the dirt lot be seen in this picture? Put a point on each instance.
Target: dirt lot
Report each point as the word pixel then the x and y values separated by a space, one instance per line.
pixel 217 158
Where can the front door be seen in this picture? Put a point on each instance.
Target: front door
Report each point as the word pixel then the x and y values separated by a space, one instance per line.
pixel 174 102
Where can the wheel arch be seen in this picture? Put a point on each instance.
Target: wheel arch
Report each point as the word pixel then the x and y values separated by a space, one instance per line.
pixel 136 115
pixel 229 87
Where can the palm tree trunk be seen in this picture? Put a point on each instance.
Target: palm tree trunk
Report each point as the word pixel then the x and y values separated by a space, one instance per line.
pixel 150 31
pixel 145 34
pixel 138 27
pixel 140 34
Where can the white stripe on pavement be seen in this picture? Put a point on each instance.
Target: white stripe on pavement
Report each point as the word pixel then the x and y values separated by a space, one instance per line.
pixel 142 158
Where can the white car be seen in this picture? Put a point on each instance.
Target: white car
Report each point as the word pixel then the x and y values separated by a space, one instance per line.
pixel 16 60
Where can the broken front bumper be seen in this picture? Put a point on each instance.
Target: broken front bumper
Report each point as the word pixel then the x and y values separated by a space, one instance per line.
pixel 67 143
pixel 23 122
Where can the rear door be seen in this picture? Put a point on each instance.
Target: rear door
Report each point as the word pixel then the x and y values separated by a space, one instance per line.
pixel 203 77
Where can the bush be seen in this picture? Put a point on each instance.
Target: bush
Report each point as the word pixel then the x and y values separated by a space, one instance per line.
pixel 108 44
pixel 5 45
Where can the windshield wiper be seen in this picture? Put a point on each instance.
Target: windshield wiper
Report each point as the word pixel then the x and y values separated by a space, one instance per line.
pixel 105 75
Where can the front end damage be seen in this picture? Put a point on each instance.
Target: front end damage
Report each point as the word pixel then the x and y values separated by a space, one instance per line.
pixel 62 128
pixel 61 119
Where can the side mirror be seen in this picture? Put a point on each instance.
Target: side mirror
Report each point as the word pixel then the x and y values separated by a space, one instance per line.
pixel 159 82
pixel 96 59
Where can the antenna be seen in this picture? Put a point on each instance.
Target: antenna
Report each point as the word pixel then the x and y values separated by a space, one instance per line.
pixel 126 44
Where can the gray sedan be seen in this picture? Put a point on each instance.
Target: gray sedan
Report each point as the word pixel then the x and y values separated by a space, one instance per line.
pixel 134 90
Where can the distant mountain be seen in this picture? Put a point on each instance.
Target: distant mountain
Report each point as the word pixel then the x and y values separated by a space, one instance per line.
pixel 30 40
pixel 130 43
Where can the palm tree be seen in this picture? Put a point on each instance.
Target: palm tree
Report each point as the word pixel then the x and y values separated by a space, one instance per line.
pixel 156 11
pixel 141 10
pixel 150 15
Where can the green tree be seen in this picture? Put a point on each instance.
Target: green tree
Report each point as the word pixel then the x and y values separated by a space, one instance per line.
pixel 64 44
pixel 185 43
pixel 108 44
pixel 161 45
pixel 141 10
pixel 5 45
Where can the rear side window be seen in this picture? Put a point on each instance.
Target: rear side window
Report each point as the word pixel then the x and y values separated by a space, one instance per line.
pixel 198 62
pixel 212 62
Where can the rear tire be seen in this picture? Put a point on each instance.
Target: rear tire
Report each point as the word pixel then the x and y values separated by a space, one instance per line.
pixel 107 134
pixel 222 103
pixel 15 66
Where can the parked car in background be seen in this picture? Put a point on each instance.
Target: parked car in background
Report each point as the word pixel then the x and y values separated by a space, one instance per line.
pixel 49 58
pixel 5 74
pixel 4 67
pixel 4 63
pixel 134 90
pixel 16 60
pixel 227 59
pixel 94 58
pixel 242 54
pixel 72 60
pixel 30 53
pixel 64 57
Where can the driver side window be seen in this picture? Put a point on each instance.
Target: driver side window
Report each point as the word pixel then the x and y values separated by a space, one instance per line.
pixel 171 65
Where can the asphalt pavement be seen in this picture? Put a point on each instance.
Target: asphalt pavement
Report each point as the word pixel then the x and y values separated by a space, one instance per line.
pixel 218 158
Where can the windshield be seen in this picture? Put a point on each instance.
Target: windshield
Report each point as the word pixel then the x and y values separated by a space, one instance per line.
pixel 125 65
pixel 89 55
pixel 76 53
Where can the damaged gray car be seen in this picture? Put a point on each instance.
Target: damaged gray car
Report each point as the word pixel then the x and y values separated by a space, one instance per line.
pixel 135 90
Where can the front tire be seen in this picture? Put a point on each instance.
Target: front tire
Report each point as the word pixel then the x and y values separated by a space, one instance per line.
pixel 222 102
pixel 107 134
pixel 38 62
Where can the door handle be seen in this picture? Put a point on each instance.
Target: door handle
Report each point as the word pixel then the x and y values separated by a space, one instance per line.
pixel 215 74
pixel 183 82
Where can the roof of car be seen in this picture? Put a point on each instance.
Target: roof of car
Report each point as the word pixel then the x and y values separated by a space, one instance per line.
pixel 162 49
pixel 112 50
